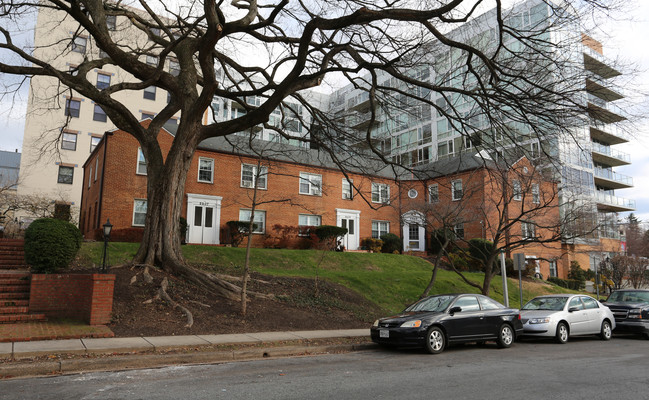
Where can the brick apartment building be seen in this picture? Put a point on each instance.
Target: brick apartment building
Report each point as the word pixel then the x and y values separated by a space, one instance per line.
pixel 305 189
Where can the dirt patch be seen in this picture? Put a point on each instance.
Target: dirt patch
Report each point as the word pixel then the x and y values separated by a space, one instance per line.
pixel 296 307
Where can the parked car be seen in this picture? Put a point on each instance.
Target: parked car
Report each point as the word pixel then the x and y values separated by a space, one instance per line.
pixel 437 321
pixel 631 310
pixel 564 315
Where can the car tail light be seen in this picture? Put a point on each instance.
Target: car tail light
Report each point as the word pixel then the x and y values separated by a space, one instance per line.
pixel 519 317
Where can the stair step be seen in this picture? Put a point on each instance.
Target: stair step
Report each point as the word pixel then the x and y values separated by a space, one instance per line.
pixel 14 274
pixel 12 289
pixel 13 282
pixel 14 296
pixel 11 319
pixel 14 303
pixel 14 310
pixel 13 266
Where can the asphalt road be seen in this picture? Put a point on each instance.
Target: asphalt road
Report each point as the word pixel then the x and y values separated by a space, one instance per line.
pixel 582 369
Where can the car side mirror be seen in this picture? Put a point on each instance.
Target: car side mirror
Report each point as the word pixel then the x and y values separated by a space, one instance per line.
pixel 603 301
pixel 573 309
pixel 454 310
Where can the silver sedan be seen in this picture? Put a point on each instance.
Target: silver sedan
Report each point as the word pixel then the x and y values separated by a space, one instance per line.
pixel 564 315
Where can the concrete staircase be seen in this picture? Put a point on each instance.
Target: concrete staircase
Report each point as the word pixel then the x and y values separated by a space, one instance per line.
pixel 15 284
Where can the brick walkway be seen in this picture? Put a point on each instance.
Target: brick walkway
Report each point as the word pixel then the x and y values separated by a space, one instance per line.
pixel 51 330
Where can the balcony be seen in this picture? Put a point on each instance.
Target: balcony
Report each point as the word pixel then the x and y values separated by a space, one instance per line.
pixel 360 120
pixel 606 155
pixel 606 133
pixel 612 203
pixel 604 111
pixel 599 64
pixel 612 180
pixel 597 86
pixel 360 102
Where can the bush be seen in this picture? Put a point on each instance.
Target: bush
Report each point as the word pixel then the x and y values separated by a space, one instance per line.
pixel 568 283
pixel 329 234
pixel 576 273
pixel 371 244
pixel 391 243
pixel 183 230
pixel 51 244
pixel 238 230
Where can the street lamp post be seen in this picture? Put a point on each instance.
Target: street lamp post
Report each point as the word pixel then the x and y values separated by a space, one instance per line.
pixel 107 228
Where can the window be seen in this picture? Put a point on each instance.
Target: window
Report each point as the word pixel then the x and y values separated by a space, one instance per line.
pixel 69 141
pixel 310 184
pixel 141 163
pixel 467 142
pixel 516 190
pixel 72 108
pixel 103 81
pixel 146 115
pixel 458 229
pixel 445 148
pixel 433 193
pixel 259 220
pixel 456 190
pixel 96 167
pixel 99 114
pixel 553 268
pixel 467 303
pixel 249 176
pixel 94 141
pixel 174 68
pixel 348 193
pixel 380 228
pixel 528 230
pixel 149 93
pixel 139 212
pixel 152 60
pixel 90 178
pixel 489 304
pixel 66 174
pixel 536 194
pixel 156 31
pixel 535 149
pixel 576 303
pixel 103 54
pixel 306 221
pixel 589 302
pixel 380 193
pixel 111 22
pixel 79 44
pixel 205 170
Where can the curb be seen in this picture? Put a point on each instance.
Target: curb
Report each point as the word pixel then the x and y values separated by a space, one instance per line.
pixel 29 368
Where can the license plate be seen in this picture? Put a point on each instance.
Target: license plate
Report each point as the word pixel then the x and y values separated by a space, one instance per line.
pixel 384 333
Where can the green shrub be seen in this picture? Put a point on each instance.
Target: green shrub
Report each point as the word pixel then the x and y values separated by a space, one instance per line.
pixel 391 243
pixel 371 244
pixel 51 244
pixel 329 234
pixel 183 230
pixel 568 283
pixel 238 230
pixel 576 272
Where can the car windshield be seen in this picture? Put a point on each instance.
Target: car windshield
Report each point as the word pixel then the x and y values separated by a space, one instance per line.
pixel 435 303
pixel 629 297
pixel 546 303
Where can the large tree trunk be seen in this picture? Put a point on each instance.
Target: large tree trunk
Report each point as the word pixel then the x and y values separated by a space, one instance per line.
pixel 160 244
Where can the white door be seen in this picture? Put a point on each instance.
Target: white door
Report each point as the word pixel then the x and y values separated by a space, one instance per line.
pixel 414 233
pixel 203 219
pixel 349 219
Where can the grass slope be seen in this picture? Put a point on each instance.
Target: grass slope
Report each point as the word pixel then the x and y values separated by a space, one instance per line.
pixel 391 281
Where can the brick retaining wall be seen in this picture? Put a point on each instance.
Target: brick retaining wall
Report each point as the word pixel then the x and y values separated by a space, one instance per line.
pixel 87 297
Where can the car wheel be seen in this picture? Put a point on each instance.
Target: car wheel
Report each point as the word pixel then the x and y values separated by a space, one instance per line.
pixel 435 340
pixel 505 336
pixel 562 333
pixel 606 332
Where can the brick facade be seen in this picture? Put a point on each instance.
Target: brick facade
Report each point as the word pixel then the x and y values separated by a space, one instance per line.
pixel 87 297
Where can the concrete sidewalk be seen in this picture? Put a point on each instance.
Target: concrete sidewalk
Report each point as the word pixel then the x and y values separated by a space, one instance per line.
pixel 48 357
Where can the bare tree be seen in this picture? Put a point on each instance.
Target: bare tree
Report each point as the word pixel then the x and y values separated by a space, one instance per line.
pixel 508 74
pixel 638 273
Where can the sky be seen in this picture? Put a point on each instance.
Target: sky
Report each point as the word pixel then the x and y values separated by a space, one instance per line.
pixel 624 37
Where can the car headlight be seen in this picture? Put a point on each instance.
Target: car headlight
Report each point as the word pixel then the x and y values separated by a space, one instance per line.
pixel 539 320
pixel 376 323
pixel 635 313
pixel 411 324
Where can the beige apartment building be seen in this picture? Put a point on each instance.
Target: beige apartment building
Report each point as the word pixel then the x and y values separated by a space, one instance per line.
pixel 61 126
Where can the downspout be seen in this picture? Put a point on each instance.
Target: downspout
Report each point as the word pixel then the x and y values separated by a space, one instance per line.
pixel 101 185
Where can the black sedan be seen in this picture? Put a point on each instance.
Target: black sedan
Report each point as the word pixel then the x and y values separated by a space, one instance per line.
pixel 437 321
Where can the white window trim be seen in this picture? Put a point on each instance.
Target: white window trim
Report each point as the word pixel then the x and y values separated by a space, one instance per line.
pixel 264 173
pixel 319 217
pixel 526 232
pixel 378 186
pixel 137 164
pixel 198 177
pixel 379 222
pixel 436 186
pixel 350 195
pixel 133 220
pixel 536 193
pixel 96 167
pixel 453 198
pixel 257 212
pixel 90 178
pixel 517 190
pixel 305 177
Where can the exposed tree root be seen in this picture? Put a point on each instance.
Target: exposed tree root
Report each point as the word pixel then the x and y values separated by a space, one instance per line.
pixel 162 292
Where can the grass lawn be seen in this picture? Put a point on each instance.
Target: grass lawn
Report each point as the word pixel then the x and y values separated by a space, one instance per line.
pixel 389 280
